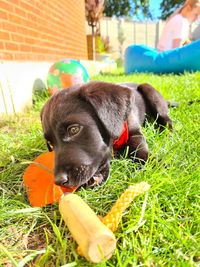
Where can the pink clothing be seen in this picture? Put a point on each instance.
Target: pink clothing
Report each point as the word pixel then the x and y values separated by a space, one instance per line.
pixel 176 27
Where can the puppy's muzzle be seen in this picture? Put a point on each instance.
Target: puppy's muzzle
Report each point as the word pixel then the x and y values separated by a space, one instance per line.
pixel 61 179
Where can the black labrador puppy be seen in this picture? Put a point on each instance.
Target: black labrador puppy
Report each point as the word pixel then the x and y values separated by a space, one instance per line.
pixel 82 124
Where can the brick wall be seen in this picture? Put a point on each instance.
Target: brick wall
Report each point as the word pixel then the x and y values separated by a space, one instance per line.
pixel 42 30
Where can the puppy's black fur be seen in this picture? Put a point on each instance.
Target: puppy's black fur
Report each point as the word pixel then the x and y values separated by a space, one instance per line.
pixel 81 122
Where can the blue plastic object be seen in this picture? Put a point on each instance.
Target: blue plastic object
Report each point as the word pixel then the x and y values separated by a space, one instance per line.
pixel 141 58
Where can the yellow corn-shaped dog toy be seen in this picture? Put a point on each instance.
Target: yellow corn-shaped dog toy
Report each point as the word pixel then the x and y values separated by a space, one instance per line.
pixel 113 218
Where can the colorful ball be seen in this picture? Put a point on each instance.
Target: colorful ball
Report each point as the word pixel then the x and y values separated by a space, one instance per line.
pixel 66 73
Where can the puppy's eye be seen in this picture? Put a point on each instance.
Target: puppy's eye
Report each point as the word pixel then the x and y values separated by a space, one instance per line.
pixel 73 130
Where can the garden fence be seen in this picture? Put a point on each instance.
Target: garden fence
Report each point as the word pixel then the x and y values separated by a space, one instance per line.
pixel 129 32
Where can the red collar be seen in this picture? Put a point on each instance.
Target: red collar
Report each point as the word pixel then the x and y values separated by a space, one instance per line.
pixel 122 140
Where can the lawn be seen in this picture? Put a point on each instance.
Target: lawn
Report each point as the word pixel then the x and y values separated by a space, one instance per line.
pixel 160 228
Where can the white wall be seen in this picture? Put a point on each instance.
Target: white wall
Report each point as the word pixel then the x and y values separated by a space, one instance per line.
pixel 16 84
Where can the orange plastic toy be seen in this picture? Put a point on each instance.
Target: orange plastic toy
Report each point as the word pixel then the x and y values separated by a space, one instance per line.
pixel 39 181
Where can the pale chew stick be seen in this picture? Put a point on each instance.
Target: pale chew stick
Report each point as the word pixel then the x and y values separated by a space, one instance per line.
pixel 95 240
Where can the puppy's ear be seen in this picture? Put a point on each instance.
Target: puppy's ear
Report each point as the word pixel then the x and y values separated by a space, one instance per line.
pixel 41 113
pixel 44 121
pixel 111 102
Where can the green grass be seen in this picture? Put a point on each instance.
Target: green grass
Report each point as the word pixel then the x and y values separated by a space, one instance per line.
pixel 161 228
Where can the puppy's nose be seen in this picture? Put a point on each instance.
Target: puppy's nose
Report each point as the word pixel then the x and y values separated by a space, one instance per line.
pixel 61 179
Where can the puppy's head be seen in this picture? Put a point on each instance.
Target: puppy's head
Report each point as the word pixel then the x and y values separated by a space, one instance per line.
pixel 80 124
